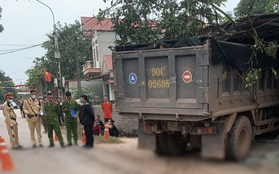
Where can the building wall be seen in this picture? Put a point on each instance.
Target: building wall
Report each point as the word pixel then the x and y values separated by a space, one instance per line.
pixel 95 86
pixel 103 39
pixel 127 124
pixel 108 90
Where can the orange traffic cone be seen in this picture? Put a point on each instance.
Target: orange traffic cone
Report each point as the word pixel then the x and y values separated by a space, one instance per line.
pixel 55 137
pixel 106 135
pixel 83 137
pixel 1 147
pixel 7 164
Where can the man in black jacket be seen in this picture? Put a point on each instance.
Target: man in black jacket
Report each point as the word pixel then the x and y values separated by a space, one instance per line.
pixel 87 120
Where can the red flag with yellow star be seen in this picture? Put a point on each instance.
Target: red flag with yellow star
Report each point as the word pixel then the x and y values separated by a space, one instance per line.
pixel 47 76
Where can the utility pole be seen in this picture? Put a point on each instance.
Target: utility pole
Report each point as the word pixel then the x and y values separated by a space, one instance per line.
pixel 78 69
pixel 58 58
pixel 56 54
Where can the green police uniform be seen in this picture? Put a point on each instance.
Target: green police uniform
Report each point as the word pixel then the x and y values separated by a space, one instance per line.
pixel 71 123
pixel 52 113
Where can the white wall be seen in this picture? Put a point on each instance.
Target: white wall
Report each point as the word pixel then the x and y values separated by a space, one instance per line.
pixel 102 40
pixel 95 86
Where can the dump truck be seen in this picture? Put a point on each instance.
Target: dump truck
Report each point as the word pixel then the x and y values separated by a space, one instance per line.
pixel 192 92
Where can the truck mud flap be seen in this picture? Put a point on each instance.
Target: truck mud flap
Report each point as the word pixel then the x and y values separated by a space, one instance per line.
pixel 146 140
pixel 213 146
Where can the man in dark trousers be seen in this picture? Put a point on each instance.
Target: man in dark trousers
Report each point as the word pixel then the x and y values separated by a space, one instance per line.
pixel 87 120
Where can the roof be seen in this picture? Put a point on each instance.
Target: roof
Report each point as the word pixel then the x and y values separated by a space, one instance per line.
pixel 91 23
pixel 108 59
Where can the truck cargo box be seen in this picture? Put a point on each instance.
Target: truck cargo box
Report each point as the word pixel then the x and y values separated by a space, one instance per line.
pixel 193 82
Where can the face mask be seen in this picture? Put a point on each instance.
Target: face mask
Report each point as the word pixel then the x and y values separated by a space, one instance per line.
pixel 10 101
pixel 41 100
pixel 33 96
pixel 80 100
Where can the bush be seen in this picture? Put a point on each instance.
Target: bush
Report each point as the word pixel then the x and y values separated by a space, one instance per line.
pixel 92 97
pixel 133 133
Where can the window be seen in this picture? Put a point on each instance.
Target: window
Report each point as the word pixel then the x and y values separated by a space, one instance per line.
pixel 268 79
pixel 94 56
pixel 261 80
pixel 236 82
pixel 97 52
pixel 226 78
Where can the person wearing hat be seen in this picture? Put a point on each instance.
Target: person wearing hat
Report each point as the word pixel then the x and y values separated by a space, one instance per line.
pixel 43 112
pixel 52 112
pixel 71 110
pixel 12 125
pixel 32 110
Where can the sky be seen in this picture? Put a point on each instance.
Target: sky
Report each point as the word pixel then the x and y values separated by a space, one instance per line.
pixel 26 22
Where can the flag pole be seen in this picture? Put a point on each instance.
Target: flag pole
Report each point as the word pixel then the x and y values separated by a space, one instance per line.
pixel 46 86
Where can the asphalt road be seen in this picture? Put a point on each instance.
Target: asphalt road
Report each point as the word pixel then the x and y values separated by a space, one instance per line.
pixel 125 158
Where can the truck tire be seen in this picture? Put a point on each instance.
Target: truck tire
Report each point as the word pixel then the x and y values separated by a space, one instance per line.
pixel 176 146
pixel 162 144
pixel 239 139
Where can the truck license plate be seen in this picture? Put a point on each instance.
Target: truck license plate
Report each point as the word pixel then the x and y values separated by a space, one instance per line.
pixel 172 126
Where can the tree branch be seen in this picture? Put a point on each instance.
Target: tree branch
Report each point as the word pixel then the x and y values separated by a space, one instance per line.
pixel 221 11
pixel 250 8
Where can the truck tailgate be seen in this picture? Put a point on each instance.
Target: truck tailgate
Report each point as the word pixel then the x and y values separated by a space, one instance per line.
pixel 165 81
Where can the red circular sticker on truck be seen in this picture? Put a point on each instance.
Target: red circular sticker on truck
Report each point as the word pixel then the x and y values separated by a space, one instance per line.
pixel 187 76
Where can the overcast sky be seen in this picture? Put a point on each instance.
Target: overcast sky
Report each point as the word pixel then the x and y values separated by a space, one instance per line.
pixel 27 23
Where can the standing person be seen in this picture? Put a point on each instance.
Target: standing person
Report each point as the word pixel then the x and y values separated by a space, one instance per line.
pixel 52 112
pixel 107 108
pixel 32 109
pixel 20 101
pixel 71 121
pixel 12 125
pixel 87 120
pixel 43 112
pixel 61 116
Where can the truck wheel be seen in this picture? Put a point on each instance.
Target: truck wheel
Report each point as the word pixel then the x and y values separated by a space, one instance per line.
pixel 176 146
pixel 239 138
pixel 162 144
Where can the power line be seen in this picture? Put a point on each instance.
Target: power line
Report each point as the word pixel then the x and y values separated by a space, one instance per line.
pixel 17 72
pixel 20 49
pixel 13 45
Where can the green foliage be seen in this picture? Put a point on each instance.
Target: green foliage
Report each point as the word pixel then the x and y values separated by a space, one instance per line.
pixel 260 6
pixel 141 21
pixel 244 5
pixel 1 26
pixel 92 97
pixel 4 91
pixel 252 77
pixel 66 39
pixel 36 79
pixel 273 6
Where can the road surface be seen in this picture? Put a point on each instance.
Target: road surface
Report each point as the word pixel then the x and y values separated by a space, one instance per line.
pixel 125 158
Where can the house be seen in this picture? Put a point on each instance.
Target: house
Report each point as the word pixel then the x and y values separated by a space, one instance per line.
pixel 100 68
pixel 95 86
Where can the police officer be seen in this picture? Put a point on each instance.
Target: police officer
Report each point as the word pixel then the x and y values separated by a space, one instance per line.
pixel 12 125
pixel 87 120
pixel 52 112
pixel 69 106
pixel 32 109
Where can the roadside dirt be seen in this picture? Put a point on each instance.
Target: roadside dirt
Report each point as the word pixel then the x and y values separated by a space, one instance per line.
pixel 263 159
